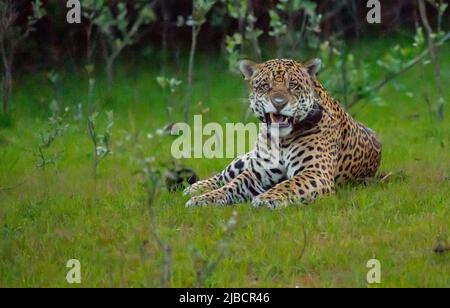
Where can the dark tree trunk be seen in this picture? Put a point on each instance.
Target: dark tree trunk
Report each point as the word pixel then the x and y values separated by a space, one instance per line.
pixel 7 79
pixel 195 32
pixel 164 38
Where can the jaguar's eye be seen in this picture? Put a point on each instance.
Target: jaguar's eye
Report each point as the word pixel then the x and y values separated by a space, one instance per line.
pixel 264 87
pixel 293 85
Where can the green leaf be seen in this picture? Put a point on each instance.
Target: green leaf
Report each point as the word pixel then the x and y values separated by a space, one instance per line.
pixel 162 81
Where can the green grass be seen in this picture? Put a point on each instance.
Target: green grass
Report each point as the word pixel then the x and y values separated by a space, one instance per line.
pixel 50 216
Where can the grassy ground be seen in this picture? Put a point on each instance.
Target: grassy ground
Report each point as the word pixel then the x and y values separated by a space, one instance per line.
pixel 50 216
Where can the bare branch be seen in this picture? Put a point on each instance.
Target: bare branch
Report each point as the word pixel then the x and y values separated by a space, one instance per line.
pixel 388 78
pixel 166 249
pixel 433 50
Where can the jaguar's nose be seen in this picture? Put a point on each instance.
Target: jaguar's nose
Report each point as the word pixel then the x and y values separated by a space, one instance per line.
pixel 279 101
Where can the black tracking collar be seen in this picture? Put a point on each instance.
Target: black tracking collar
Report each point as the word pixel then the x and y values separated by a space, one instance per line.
pixel 311 120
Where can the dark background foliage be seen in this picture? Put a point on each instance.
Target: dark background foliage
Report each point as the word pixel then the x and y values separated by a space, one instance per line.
pixel 56 41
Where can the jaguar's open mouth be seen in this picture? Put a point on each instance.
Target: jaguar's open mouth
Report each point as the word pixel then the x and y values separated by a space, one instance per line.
pixel 279 119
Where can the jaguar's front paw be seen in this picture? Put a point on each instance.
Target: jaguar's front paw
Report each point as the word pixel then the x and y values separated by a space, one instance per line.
pixel 270 202
pixel 198 188
pixel 217 198
pixel 193 190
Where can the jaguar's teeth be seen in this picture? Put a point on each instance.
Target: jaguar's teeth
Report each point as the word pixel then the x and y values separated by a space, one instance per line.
pixel 274 118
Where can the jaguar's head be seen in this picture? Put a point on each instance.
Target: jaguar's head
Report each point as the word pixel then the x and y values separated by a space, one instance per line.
pixel 281 91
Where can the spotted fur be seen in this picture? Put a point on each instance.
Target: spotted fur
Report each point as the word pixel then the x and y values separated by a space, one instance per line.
pixel 321 148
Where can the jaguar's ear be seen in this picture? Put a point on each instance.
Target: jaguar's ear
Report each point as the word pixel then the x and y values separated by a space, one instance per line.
pixel 313 66
pixel 248 68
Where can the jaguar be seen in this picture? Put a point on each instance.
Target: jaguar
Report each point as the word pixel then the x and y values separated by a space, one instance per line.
pixel 319 145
